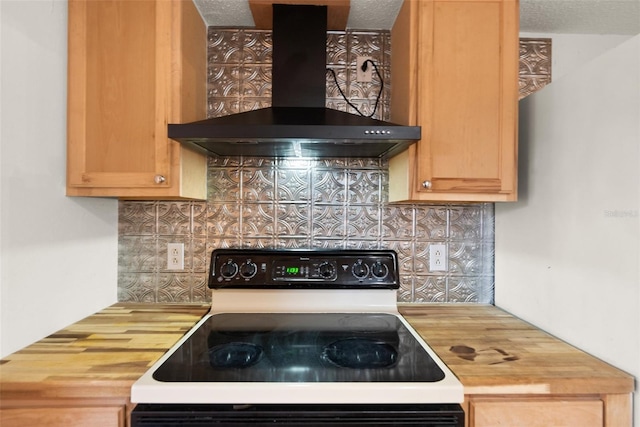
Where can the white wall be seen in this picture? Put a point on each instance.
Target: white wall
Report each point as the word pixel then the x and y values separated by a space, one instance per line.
pixel 568 252
pixel 58 255
pixel 569 52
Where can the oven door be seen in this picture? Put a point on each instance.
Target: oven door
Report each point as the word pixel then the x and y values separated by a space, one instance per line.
pixel 398 415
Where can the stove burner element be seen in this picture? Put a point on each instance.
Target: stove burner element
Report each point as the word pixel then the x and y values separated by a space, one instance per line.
pixel 235 355
pixel 360 353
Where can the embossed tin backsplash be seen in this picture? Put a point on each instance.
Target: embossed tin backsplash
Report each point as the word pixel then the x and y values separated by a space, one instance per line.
pixel 239 77
pixel 329 204
pixel 535 65
pixel 283 203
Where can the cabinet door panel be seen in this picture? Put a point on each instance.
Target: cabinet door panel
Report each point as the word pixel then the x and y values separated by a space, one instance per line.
pixel 118 101
pixel 470 97
pixel 458 79
pixel 583 413
pixel 122 83
pixel 134 67
pixel 64 417
pixel 465 123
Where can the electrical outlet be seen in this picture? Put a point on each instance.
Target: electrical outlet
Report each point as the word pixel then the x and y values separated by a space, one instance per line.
pixel 438 257
pixel 175 256
pixel 363 76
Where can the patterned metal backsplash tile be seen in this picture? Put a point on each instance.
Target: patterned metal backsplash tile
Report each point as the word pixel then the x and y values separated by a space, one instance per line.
pixel 535 65
pixel 239 76
pixel 280 203
pixel 303 203
pixel 145 229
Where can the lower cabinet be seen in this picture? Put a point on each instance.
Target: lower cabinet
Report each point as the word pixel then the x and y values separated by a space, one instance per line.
pixel 482 411
pixel 538 412
pixel 99 416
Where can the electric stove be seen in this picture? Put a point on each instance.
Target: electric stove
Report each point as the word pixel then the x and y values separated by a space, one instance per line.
pixel 299 333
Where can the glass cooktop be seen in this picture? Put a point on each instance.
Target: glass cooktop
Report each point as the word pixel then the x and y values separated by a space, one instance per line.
pixel 300 347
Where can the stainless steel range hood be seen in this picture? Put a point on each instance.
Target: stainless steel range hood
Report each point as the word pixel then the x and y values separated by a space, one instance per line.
pixel 297 124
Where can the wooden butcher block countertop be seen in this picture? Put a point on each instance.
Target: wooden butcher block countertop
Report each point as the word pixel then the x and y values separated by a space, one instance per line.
pixel 100 356
pixel 493 352
pixel 488 349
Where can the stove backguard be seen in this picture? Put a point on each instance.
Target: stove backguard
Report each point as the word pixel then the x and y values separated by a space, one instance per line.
pixel 303 269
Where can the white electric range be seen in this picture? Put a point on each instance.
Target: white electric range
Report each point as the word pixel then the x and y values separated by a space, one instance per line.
pixel 300 337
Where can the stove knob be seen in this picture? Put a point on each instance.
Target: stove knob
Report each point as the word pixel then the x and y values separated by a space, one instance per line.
pixel 379 270
pixel 326 270
pixel 248 269
pixel 229 269
pixel 360 269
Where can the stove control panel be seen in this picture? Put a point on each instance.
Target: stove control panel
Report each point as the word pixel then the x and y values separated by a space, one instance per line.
pixel 264 268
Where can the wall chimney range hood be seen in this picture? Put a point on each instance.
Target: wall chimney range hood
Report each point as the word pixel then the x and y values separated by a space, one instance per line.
pixel 297 124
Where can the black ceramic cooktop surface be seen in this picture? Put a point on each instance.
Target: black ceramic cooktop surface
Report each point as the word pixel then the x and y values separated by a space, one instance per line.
pixel 300 347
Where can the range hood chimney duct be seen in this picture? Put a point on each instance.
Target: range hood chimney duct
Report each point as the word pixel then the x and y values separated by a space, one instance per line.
pixel 299 56
pixel 298 123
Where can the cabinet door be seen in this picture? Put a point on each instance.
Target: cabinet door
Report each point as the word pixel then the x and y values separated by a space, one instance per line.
pixel 545 413
pixel 461 86
pixel 64 417
pixel 124 76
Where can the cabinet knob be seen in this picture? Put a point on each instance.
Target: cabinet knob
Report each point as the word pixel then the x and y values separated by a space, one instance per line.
pixel 426 185
pixel 159 179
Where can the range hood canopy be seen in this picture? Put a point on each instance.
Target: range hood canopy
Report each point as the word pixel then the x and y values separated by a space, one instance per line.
pixel 297 124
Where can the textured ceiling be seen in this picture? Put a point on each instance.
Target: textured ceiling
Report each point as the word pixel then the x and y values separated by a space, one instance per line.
pixel 364 14
pixel 580 16
pixel 536 16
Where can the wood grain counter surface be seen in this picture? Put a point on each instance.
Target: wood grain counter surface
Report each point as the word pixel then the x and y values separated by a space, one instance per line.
pixel 493 352
pixel 100 356
pixel 489 350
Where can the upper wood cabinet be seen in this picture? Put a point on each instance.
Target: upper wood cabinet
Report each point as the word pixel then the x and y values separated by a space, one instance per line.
pixel 134 67
pixel 455 73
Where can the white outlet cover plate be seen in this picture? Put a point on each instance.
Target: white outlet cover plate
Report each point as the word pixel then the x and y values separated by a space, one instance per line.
pixel 438 257
pixel 175 256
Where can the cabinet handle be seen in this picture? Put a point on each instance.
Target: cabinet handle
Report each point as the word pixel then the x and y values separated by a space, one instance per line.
pixel 426 185
pixel 159 179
